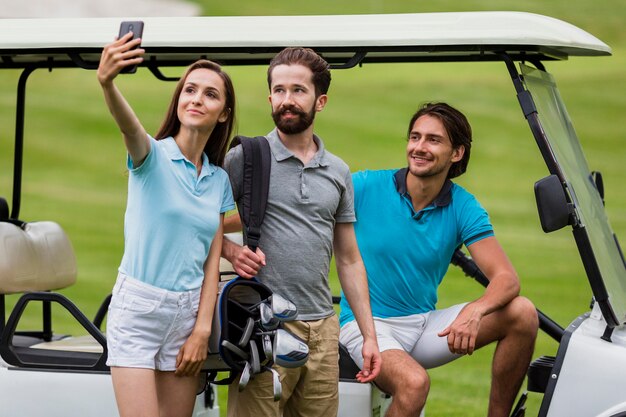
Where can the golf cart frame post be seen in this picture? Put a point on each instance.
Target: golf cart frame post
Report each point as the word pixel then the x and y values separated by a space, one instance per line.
pixel 345 41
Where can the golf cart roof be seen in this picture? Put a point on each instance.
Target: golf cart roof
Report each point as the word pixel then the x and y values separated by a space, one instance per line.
pixel 344 40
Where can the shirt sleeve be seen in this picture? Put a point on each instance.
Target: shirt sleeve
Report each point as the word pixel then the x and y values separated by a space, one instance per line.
pixel 345 211
pixel 147 164
pixel 227 196
pixel 358 183
pixel 474 220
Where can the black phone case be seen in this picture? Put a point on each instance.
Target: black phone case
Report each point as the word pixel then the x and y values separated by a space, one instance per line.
pixel 137 28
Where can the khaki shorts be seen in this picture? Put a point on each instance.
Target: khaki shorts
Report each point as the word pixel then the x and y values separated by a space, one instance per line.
pixel 309 391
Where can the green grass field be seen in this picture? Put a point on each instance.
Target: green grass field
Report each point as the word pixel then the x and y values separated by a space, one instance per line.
pixel 74 170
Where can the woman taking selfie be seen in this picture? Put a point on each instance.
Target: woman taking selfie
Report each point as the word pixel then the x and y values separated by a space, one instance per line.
pixel 160 315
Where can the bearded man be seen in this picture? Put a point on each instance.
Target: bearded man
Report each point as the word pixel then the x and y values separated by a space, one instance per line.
pixel 309 214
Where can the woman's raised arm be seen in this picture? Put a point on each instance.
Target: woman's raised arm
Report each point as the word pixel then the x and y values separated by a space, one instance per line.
pixel 115 57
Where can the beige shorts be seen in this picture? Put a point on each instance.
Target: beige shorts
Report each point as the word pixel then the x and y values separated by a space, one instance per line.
pixel 309 391
pixel 415 334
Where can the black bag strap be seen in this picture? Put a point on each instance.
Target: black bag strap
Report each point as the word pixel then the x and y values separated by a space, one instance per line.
pixel 232 375
pixel 256 183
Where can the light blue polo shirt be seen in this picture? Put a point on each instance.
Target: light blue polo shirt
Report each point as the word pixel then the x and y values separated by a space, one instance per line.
pixel 407 253
pixel 171 217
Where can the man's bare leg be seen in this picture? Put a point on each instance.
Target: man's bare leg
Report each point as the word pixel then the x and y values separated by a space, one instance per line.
pixel 514 327
pixel 407 382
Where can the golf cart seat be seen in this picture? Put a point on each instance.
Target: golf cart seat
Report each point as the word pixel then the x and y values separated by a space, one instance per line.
pixel 347 367
pixel 35 259
pixel 355 395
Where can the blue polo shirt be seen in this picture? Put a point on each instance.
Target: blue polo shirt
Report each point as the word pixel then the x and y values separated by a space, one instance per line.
pixel 407 253
pixel 171 217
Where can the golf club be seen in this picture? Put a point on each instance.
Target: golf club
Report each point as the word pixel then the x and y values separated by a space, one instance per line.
pixel 267 347
pixel 247 332
pixel 255 361
pixel 268 321
pixel 235 349
pixel 289 351
pixel 278 388
pixel 283 309
pixel 245 377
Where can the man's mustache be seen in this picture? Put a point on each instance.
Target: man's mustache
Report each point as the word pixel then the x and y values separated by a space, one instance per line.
pixel 292 109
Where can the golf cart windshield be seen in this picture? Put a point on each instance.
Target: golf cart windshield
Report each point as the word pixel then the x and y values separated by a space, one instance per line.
pixel 599 249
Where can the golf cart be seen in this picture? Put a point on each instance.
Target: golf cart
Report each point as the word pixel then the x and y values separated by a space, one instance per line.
pixel 37 368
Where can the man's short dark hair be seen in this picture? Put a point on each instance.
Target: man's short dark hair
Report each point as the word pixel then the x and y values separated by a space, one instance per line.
pixel 457 127
pixel 305 57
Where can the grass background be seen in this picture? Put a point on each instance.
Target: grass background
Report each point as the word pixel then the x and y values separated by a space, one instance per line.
pixel 74 159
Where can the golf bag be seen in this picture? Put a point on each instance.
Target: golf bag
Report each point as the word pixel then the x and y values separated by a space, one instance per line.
pixel 238 304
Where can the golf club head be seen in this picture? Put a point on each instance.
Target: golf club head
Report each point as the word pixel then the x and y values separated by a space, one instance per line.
pixel 245 377
pixel 268 321
pixel 278 388
pixel 289 351
pixel 283 309
pixel 267 346
pixel 235 349
pixel 255 361
pixel 247 332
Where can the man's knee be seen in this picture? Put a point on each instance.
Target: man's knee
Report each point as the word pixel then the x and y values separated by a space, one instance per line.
pixel 518 319
pixel 412 391
pixel 411 383
pixel 523 315
pixel 419 383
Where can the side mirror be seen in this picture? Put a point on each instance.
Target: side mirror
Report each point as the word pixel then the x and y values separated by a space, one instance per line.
pixel 599 183
pixel 554 210
pixel 4 209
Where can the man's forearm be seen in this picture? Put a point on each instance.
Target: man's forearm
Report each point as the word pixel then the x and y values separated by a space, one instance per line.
pixel 353 281
pixel 500 291
pixel 228 249
pixel 504 283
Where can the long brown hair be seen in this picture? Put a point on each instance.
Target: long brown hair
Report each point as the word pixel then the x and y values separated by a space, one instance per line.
pixel 217 144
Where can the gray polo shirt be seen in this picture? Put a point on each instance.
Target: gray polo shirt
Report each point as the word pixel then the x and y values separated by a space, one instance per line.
pixel 304 203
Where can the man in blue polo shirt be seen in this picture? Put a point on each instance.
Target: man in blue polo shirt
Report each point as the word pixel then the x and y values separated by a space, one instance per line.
pixel 409 223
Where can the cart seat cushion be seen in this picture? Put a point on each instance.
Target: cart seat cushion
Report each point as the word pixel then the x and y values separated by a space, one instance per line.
pixel 38 257
pixel 84 343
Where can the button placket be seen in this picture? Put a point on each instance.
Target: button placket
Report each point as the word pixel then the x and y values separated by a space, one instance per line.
pixel 304 189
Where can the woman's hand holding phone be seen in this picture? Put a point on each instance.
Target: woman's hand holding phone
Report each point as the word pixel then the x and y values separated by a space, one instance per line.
pixel 136 28
pixel 122 55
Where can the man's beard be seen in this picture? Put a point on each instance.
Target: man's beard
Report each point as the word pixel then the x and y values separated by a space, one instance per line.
pixel 294 125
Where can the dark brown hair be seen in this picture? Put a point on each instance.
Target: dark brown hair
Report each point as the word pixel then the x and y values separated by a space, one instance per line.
pixel 216 146
pixel 456 125
pixel 305 57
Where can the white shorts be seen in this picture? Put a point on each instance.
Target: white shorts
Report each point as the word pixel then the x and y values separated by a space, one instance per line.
pixel 147 325
pixel 415 334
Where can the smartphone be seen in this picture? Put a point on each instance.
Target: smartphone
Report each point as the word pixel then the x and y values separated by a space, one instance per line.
pixel 137 28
